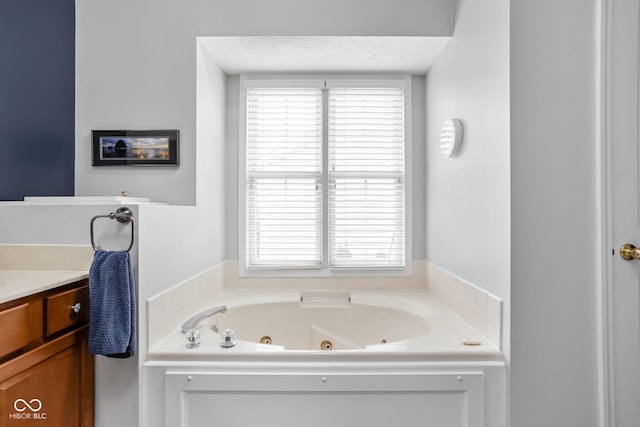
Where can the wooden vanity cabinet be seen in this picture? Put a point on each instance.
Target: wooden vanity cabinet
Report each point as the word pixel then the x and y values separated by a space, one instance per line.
pixel 46 371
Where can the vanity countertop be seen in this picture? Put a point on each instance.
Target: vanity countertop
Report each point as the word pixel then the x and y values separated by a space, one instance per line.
pixel 16 284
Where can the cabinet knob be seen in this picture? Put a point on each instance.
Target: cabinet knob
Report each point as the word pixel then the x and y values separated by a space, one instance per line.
pixel 76 307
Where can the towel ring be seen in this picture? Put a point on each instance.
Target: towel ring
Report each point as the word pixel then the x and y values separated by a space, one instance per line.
pixel 123 216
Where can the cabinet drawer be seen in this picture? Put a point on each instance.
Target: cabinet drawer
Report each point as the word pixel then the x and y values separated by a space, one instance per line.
pixel 60 313
pixel 20 325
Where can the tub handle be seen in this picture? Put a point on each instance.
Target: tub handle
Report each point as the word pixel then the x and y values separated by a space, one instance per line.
pixel 227 338
pixel 193 338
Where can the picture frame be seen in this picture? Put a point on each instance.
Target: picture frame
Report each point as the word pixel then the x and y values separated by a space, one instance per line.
pixel 135 147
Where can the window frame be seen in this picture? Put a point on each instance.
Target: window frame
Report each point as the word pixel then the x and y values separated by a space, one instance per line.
pixel 275 80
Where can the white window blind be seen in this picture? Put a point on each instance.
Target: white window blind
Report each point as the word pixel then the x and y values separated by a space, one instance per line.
pixel 284 166
pixel 359 158
pixel 366 175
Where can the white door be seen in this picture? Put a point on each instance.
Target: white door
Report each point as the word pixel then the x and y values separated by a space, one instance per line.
pixel 622 299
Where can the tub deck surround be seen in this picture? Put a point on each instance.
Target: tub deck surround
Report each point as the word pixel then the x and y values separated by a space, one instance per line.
pixel 463 301
pixel 477 307
pixel 442 337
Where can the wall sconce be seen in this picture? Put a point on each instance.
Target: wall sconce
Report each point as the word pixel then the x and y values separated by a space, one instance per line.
pixel 450 137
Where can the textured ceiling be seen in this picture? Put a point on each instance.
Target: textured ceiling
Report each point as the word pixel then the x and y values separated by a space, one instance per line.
pixel 325 54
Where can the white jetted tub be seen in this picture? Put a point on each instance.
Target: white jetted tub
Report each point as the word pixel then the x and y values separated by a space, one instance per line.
pixel 313 359
pixel 325 324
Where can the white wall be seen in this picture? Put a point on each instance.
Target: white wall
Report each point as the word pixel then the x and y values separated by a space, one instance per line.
pixel 182 241
pixel 178 242
pixel 553 258
pixel 468 197
pixel 134 72
pixel 541 55
pixel 135 68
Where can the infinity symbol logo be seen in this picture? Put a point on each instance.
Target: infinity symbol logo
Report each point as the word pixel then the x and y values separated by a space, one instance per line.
pixel 21 405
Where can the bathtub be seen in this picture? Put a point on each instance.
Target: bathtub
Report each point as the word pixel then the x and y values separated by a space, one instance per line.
pixel 387 325
pixel 311 359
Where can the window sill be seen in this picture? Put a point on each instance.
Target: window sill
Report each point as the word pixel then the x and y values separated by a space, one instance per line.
pixel 325 273
pixel 362 280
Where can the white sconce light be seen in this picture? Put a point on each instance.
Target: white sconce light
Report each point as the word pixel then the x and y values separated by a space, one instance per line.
pixel 450 137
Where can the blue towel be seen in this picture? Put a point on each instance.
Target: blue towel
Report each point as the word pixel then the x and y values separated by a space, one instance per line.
pixel 112 315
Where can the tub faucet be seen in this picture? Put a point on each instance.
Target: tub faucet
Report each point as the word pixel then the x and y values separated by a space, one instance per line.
pixel 193 321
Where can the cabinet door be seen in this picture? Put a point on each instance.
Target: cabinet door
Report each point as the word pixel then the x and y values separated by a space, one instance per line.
pixel 50 393
pixel 20 326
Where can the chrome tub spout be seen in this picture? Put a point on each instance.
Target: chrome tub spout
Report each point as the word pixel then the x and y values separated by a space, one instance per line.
pixel 193 322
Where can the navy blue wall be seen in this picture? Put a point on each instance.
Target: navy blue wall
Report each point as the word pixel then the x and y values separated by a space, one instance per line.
pixel 37 91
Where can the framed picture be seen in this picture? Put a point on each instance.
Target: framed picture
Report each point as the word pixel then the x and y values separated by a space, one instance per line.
pixel 135 147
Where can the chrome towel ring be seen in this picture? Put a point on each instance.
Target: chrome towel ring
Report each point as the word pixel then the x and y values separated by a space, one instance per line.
pixel 124 216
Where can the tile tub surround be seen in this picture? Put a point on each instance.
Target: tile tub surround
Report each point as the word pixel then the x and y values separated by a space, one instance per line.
pixel 477 307
pixel 167 310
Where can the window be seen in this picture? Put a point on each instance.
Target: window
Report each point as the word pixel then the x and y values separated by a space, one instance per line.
pixel 324 175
